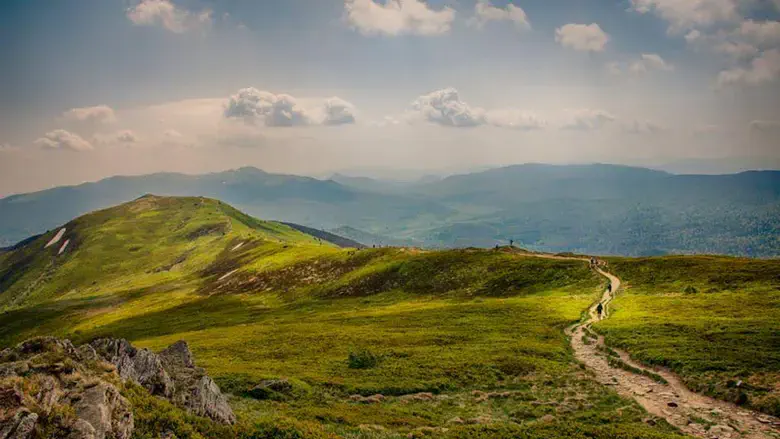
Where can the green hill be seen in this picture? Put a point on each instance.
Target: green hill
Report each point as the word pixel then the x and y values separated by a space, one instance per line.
pixel 457 343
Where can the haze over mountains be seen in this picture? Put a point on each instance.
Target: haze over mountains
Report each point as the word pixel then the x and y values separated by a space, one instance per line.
pixel 602 209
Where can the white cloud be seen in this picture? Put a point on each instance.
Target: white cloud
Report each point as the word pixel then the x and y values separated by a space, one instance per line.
pixel 693 36
pixel 100 114
pixel 486 12
pixel 61 139
pixel 586 119
pixel 444 107
pixel 761 33
pixel 736 50
pixel 582 37
pixel 397 17
pixel 649 62
pixel 123 136
pixel 337 111
pixel 167 15
pixel 515 119
pixel 689 14
pixel 763 69
pixel 282 110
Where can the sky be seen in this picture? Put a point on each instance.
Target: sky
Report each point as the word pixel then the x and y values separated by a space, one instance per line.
pixel 95 88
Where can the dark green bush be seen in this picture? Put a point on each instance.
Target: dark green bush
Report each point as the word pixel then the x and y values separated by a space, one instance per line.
pixel 362 359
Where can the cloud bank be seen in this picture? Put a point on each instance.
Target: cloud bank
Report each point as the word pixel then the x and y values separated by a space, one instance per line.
pixel 282 110
pixel 397 17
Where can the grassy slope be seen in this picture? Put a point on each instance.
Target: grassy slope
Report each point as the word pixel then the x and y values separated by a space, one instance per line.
pixel 714 320
pixel 447 322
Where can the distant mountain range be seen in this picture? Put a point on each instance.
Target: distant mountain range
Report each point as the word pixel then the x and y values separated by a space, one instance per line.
pixel 603 209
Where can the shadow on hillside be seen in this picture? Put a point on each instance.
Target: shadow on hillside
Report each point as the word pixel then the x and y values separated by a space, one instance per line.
pixel 204 313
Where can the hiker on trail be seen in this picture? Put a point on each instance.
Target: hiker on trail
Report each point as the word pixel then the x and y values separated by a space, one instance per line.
pixel 609 288
pixel 599 309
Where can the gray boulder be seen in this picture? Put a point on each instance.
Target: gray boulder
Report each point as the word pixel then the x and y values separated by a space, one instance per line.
pixel 107 411
pixel 194 390
pixel 139 365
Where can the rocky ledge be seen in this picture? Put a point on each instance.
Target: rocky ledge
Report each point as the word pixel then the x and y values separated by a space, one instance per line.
pixel 51 388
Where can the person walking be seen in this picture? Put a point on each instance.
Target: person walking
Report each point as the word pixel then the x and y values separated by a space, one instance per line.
pixel 599 309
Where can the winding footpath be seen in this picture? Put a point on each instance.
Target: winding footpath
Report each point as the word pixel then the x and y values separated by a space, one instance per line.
pixel 694 414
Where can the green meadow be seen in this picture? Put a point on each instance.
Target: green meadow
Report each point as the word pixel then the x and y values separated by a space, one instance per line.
pixel 713 320
pixel 457 344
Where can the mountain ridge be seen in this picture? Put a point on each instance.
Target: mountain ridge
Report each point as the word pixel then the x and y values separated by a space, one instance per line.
pixel 598 208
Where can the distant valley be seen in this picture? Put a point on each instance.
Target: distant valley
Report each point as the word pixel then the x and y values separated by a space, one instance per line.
pixel 599 209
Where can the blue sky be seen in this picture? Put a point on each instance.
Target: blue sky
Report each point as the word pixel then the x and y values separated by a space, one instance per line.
pixel 92 88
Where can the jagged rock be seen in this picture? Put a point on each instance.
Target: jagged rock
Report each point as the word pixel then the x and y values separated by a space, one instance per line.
pixel 83 380
pixel 178 355
pixel 193 389
pixel 140 365
pixel 82 429
pixel 20 426
pixel 106 410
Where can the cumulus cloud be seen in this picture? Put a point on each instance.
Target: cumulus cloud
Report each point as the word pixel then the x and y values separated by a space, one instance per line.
pixel 763 69
pixel 515 119
pixel 648 62
pixel 397 17
pixel 586 119
pixel 123 136
pixel 61 139
pixel 100 114
pixel 736 50
pixel 485 12
pixel 337 111
pixel 583 37
pixel 693 36
pixel 167 15
pixel 444 107
pixel 282 110
pixel 684 15
pixel 760 33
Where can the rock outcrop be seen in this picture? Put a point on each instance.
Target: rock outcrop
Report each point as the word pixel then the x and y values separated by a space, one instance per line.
pixel 171 373
pixel 47 384
pixel 140 365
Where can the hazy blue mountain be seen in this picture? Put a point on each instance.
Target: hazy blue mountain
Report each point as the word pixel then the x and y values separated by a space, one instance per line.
pixel 603 209
pixel 302 200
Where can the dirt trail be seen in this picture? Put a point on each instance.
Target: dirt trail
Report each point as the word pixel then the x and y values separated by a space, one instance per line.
pixel 697 415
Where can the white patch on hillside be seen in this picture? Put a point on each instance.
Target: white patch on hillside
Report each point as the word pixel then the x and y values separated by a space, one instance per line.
pixel 64 246
pixel 226 275
pixel 56 238
pixel 238 246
